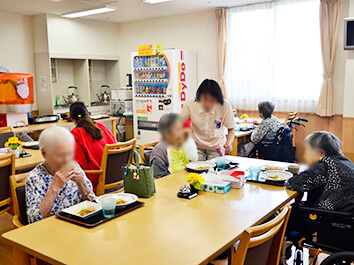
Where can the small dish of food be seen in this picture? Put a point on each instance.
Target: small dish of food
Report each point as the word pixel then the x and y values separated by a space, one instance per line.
pixel 200 166
pixel 122 199
pixel 275 175
pixel 84 209
pixel 271 167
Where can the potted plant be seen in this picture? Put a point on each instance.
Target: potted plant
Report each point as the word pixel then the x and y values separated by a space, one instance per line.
pixel 195 181
pixel 13 143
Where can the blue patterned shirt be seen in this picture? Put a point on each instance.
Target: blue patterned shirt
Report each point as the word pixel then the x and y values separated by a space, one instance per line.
pixel 37 184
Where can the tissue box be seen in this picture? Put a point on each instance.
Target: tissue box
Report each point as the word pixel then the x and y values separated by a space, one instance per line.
pixel 221 188
pixel 236 178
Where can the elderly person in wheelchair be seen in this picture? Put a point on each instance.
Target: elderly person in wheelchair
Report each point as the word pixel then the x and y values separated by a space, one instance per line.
pixel 329 183
pixel 58 182
pixel 266 131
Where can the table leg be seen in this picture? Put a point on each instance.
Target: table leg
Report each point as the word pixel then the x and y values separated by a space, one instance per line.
pixel 20 257
pixel 234 147
pixel 114 128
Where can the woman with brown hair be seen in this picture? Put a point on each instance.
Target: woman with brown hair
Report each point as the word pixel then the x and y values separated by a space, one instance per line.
pixel 91 138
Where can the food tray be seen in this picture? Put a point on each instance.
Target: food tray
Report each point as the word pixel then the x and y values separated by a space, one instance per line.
pixel 265 181
pixel 98 218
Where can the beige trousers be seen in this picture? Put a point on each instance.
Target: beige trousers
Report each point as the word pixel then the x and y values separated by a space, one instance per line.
pixel 207 154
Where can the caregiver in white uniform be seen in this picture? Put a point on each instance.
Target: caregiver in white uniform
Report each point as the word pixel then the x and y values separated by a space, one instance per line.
pixel 210 113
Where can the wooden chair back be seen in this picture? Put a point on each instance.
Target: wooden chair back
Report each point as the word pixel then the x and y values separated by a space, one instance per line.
pixel 5 133
pixel 7 168
pixel 17 183
pixel 146 149
pixel 262 244
pixel 113 158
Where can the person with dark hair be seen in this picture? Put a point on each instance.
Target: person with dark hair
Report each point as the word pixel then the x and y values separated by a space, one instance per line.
pixel 210 113
pixel 91 138
pixel 266 131
pixel 173 152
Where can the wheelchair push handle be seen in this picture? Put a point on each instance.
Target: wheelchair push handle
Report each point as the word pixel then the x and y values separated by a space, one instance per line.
pixel 302 119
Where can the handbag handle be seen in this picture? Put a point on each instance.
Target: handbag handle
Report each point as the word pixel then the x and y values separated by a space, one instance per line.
pixel 136 159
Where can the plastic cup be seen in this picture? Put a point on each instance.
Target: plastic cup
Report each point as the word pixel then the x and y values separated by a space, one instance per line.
pixel 254 172
pixel 238 127
pixel 108 206
pixel 221 162
pixel 294 169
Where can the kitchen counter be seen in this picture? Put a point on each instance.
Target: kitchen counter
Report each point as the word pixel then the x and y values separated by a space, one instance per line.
pixel 43 126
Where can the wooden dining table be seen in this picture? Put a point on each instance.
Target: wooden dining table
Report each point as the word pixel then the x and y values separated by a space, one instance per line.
pixel 167 230
pixel 30 161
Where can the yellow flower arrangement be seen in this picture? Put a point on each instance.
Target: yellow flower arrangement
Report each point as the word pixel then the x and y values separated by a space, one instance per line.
pixel 13 143
pixel 244 116
pixel 196 180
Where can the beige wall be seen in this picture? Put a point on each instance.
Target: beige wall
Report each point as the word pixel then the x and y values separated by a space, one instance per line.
pixel 16 45
pixel 82 36
pixel 191 31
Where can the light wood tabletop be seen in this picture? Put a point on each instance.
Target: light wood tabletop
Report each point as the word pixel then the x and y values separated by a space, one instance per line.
pixel 167 230
pixel 30 161
pixel 62 123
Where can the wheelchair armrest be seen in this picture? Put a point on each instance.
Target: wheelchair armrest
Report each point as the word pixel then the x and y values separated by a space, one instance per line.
pixel 323 212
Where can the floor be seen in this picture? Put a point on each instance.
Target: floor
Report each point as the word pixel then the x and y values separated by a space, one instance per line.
pixel 6 251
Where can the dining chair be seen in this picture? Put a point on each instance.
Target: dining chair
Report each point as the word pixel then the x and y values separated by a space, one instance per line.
pixel 5 133
pixel 113 158
pixel 145 151
pixel 262 244
pixel 7 168
pixel 18 194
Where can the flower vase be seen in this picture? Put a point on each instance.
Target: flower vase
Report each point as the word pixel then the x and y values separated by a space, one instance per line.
pixel 193 190
pixel 16 152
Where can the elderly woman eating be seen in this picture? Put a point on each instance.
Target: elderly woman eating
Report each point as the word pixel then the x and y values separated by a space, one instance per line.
pixel 58 182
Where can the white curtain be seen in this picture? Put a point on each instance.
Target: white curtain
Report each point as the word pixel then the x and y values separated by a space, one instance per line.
pixel 274 53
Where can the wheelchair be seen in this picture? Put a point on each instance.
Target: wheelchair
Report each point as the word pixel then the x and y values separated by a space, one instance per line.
pixel 281 148
pixel 329 232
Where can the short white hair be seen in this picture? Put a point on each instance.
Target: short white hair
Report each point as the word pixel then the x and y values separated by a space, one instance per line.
pixel 54 135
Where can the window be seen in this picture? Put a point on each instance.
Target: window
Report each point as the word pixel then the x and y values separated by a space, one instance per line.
pixel 274 53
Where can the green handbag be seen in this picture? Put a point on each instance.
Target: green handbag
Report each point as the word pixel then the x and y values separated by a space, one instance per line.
pixel 138 178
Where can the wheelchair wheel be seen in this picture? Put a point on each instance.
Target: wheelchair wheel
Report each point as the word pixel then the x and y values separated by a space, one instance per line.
pixel 345 258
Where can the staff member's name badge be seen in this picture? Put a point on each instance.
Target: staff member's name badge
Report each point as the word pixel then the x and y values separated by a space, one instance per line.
pixel 219 129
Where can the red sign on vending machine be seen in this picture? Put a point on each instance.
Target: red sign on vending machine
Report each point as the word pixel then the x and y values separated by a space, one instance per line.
pixel 182 86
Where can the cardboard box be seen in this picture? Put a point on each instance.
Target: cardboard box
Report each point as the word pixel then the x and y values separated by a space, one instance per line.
pixel 221 188
pixel 236 178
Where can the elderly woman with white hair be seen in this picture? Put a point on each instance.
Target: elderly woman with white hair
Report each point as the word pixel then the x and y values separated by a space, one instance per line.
pixel 58 182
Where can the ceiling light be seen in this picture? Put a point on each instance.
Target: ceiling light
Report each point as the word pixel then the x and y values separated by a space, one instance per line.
pixel 90 12
pixel 155 1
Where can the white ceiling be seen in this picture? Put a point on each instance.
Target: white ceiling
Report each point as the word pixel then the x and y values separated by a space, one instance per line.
pixel 127 10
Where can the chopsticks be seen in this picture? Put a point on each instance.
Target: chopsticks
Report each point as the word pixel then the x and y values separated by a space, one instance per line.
pixel 93 196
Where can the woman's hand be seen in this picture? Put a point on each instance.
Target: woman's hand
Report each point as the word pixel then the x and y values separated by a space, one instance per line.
pixel 228 148
pixel 78 176
pixel 60 178
pixel 255 122
pixel 80 179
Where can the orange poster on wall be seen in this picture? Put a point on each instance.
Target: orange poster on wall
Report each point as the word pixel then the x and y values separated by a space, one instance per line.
pixel 16 89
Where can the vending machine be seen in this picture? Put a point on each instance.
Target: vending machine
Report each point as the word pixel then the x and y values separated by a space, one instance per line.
pixel 161 84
